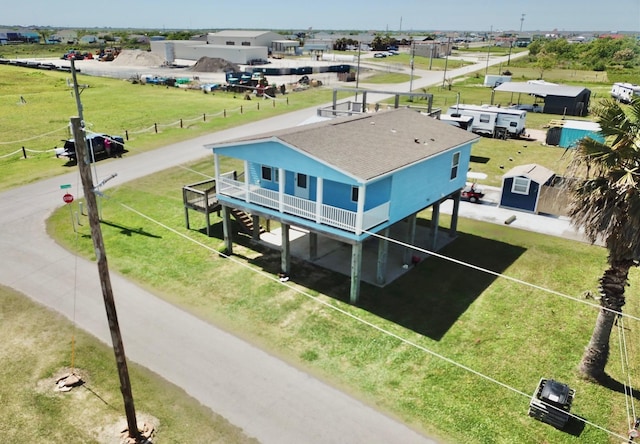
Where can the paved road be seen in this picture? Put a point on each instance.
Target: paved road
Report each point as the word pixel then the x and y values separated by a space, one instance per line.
pixel 271 400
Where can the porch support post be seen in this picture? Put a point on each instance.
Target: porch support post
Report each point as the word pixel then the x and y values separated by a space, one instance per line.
pixel 453 230
pixel 364 101
pixel 356 269
pixel 285 250
pixel 319 199
pixel 281 190
pixel 207 217
pixel 186 208
pixel 360 211
pixel 216 165
pixel 313 245
pixel 411 239
pixel 247 196
pixel 383 255
pixel 226 230
pixel 435 225
pixel 255 220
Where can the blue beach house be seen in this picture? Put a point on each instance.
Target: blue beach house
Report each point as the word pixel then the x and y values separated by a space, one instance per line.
pixel 348 179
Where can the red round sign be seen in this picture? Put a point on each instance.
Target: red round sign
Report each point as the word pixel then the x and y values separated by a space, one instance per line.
pixel 68 198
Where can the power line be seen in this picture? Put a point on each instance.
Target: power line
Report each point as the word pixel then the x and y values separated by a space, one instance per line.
pixel 362 321
pixel 504 276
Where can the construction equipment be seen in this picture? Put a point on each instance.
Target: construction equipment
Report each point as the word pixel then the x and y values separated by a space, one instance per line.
pixel 108 54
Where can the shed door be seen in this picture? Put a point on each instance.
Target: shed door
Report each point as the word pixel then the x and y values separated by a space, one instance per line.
pixel 302 186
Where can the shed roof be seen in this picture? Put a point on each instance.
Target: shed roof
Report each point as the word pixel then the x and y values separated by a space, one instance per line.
pixel 533 171
pixel 540 90
pixel 585 125
pixel 370 145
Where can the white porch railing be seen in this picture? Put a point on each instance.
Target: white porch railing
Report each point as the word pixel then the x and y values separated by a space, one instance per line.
pixel 305 208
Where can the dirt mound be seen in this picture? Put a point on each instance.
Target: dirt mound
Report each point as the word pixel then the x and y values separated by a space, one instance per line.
pixel 137 57
pixel 209 64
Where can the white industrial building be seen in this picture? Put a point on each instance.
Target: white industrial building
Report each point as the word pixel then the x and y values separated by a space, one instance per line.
pixel 236 46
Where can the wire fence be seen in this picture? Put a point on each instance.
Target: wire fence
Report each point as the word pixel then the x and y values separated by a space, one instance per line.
pixel 24 151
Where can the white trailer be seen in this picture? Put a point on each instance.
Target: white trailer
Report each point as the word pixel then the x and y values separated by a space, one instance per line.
pixel 493 121
pixel 625 92
pixel 462 122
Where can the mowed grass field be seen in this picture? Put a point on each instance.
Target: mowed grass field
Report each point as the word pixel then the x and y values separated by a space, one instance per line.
pixel 37 350
pixel 450 350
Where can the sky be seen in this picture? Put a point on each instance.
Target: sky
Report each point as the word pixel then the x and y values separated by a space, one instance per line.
pixel 366 15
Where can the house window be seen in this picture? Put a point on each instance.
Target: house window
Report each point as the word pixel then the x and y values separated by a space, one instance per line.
pixel 230 43
pixel 485 118
pixel 246 43
pixel 520 185
pixel 266 173
pixel 270 174
pixel 354 194
pixel 301 180
pixel 455 162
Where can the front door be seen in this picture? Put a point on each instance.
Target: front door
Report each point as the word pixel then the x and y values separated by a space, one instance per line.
pixel 302 186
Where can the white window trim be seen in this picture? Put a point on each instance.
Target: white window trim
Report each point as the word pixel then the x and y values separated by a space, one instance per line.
pixel 455 165
pixel 275 174
pixel 515 187
pixel 355 190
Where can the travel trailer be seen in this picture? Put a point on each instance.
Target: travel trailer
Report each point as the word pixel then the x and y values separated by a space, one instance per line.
pixel 492 121
pixel 625 92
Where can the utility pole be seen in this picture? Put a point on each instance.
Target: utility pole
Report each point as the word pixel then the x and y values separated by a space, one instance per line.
pixel 488 50
pixel 358 69
pixel 103 268
pixel 413 54
pixel 446 60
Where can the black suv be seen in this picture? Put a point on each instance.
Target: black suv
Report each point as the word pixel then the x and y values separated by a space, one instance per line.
pixel 101 145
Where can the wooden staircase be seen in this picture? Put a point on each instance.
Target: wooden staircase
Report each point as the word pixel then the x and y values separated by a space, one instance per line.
pixel 246 221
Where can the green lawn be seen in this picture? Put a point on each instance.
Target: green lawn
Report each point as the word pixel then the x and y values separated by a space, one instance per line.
pixel 37 349
pixel 114 107
pixel 504 330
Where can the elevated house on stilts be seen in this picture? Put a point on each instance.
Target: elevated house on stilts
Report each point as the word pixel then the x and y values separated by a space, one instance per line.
pixel 353 181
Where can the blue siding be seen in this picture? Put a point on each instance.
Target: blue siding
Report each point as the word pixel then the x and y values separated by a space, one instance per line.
pixel 274 153
pixel 519 201
pixel 338 195
pixel 378 193
pixel 423 184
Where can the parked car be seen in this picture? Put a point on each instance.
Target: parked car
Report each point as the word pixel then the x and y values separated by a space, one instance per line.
pixel 379 55
pixel 100 145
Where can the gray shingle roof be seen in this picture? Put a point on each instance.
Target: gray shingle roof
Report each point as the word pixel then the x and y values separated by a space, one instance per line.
pixel 533 171
pixel 372 145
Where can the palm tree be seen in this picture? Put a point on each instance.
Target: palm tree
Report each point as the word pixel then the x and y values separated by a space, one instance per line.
pixel 606 204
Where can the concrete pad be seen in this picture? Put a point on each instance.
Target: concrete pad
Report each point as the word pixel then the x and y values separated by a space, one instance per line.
pixel 336 256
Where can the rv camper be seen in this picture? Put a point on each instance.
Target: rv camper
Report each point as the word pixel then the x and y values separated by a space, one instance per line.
pixel 492 121
pixel 625 92
pixel 462 122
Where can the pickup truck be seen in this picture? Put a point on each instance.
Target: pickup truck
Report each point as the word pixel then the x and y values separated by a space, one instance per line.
pixel 100 144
